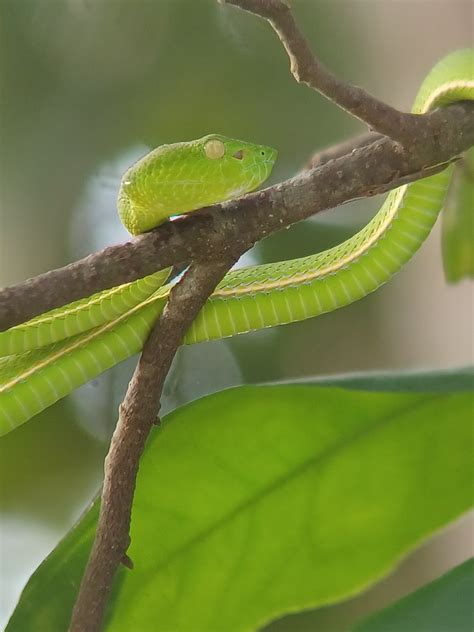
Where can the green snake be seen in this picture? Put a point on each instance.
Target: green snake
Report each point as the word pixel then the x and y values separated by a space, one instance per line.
pixel 47 357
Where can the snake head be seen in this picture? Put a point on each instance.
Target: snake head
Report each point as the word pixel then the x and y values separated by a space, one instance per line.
pixel 245 166
pixel 183 177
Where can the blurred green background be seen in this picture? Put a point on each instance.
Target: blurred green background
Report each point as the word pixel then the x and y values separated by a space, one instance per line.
pixel 88 86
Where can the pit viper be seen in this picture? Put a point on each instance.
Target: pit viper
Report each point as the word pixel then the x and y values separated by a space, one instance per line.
pixel 47 357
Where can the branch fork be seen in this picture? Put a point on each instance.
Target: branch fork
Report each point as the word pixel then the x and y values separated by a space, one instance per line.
pixel 400 148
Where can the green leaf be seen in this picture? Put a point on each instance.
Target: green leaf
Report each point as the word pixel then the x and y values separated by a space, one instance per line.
pixel 458 222
pixel 258 501
pixel 47 600
pixel 445 604
pixel 447 381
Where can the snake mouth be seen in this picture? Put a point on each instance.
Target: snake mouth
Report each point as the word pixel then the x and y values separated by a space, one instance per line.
pixel 260 163
pixel 272 155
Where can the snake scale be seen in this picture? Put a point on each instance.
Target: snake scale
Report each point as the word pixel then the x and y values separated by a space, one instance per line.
pixel 46 358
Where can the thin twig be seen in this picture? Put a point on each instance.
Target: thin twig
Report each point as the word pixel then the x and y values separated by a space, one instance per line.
pixel 215 237
pixel 341 149
pixel 307 69
pixel 370 170
pixel 138 414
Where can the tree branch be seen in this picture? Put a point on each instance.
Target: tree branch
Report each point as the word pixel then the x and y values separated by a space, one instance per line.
pixel 212 239
pixel 209 233
pixel 137 415
pixel 341 149
pixel 307 69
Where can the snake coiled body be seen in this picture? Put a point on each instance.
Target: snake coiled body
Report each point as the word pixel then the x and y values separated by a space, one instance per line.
pixel 49 356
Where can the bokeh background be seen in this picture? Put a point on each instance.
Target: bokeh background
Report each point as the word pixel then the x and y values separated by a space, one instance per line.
pixel 88 86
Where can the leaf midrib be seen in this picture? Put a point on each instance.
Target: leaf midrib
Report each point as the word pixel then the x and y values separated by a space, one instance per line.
pixel 289 476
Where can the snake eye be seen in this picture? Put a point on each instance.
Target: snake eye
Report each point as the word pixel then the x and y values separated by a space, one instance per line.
pixel 238 154
pixel 214 149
